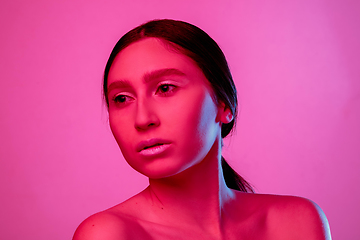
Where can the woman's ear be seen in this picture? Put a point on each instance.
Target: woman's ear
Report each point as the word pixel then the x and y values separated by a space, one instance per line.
pixel 224 113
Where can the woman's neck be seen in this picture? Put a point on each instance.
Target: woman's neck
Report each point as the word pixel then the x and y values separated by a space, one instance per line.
pixel 194 197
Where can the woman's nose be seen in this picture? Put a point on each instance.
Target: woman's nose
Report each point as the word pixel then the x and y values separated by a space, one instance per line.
pixel 146 116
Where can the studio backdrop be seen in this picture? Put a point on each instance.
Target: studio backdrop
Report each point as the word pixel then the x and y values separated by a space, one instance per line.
pixel 295 64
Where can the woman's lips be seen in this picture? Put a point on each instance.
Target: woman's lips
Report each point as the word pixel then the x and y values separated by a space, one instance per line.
pixel 154 150
pixel 153 146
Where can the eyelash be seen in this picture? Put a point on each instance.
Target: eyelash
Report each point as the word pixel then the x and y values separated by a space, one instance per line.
pixel 170 88
pixel 117 98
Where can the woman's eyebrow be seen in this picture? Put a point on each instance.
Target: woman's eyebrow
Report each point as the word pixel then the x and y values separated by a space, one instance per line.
pixel 119 84
pixel 148 77
pixel 162 73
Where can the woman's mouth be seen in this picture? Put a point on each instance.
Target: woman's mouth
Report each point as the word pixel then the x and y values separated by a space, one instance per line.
pixel 152 147
pixel 157 144
pixel 154 150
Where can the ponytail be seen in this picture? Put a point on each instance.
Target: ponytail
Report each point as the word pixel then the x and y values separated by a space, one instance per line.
pixel 233 180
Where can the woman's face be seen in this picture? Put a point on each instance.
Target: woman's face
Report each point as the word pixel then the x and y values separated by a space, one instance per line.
pixel 161 109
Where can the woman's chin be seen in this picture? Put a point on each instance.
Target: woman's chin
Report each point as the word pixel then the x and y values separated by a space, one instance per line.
pixel 160 170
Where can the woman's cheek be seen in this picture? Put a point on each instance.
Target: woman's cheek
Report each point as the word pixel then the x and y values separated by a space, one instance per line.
pixel 120 129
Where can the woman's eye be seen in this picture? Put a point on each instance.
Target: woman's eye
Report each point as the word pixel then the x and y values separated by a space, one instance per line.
pixel 121 99
pixel 165 88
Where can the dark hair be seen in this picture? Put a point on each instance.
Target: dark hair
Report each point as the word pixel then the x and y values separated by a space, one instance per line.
pixel 200 47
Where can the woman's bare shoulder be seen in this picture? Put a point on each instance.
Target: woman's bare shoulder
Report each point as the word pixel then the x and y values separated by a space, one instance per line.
pixel 111 224
pixel 101 225
pixel 289 217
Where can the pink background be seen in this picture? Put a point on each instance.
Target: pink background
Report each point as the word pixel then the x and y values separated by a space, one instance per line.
pixel 296 66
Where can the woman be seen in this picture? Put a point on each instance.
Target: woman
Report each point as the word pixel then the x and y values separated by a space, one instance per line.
pixel 171 100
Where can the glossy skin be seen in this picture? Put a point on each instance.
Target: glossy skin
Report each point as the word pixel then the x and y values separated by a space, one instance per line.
pixel 160 99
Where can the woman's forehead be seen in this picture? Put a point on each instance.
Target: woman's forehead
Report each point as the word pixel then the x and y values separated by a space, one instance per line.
pixel 151 47
pixel 148 55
